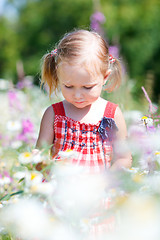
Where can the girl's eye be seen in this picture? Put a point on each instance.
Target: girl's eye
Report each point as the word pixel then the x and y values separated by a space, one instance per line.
pixel 88 87
pixel 68 86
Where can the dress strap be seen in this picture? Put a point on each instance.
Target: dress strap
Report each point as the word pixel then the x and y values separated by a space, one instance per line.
pixel 58 108
pixel 110 110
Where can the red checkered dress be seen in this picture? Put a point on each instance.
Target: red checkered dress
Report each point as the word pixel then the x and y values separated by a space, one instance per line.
pixel 94 151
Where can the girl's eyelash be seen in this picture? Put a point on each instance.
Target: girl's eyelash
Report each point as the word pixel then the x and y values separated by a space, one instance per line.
pixel 84 87
pixel 88 87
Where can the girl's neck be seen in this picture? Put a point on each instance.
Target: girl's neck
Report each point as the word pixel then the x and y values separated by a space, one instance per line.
pixel 90 114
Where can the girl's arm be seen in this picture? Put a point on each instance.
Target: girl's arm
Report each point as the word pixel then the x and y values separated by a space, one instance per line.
pixel 46 133
pixel 123 156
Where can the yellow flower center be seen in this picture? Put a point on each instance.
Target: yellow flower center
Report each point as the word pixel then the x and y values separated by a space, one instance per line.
pixel 33 175
pixel 27 154
pixel 157 153
pixel 137 178
pixel 144 117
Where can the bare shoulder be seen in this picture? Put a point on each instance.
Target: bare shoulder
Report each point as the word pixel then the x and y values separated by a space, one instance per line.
pixel 120 122
pixel 47 119
pixel 49 114
pixel 118 113
pixel 46 132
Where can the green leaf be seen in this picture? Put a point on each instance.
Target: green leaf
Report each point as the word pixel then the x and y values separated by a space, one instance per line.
pixel 16 193
pixel 8 196
pixel 21 180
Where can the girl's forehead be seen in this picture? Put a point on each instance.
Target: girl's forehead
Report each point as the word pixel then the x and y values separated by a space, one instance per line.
pixel 69 70
pixel 76 75
pixel 83 69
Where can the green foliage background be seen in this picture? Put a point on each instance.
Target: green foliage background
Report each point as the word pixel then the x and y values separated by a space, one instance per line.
pixel 133 25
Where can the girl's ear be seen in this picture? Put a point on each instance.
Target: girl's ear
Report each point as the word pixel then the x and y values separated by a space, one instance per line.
pixel 106 76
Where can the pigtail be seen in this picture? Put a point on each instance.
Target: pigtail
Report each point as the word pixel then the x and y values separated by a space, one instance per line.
pixel 115 77
pixel 49 72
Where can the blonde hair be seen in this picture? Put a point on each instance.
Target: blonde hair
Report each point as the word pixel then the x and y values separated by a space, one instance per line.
pixel 85 49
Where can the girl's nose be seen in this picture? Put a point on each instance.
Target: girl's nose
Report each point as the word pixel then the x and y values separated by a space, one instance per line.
pixel 77 94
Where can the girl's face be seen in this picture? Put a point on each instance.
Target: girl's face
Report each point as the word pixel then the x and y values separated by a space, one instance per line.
pixel 78 86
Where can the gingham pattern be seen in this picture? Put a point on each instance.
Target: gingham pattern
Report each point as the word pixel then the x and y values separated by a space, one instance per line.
pixel 93 152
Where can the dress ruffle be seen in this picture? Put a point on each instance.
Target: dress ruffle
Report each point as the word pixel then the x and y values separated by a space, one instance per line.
pixel 107 128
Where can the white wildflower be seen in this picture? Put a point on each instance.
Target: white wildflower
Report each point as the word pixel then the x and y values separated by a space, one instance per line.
pixel 46 188
pixel 77 192
pixel 33 178
pixel 140 212
pixel 19 175
pixel 37 158
pixel 5 180
pixel 68 154
pixel 25 158
pixel 27 219
pixel 5 84
pixel 131 170
pixel 157 156
pixel 14 125
pixel 1 151
pixel 147 121
pixel 16 144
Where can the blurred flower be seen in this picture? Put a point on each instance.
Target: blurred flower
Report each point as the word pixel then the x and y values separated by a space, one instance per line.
pixel 157 156
pixel 27 126
pixel 66 192
pixel 5 84
pixel 152 107
pixel 147 121
pixel 76 184
pixel 27 82
pixel 131 170
pixel 25 158
pixel 27 134
pixel 14 100
pixel 14 125
pixel 114 51
pixel 97 19
pixel 138 178
pixel 19 175
pixel 1 151
pixel 16 144
pixel 46 188
pixel 68 154
pixel 33 178
pixel 140 212
pixel 27 219
pixel 33 157
pixel 4 180
pixel 37 157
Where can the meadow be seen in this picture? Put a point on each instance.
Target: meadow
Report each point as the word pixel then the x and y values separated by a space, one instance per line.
pixel 41 199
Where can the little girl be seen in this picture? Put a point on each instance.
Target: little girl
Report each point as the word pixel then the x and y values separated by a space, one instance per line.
pixel 83 121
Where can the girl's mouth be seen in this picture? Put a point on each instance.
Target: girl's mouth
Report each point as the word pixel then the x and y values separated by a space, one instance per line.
pixel 79 102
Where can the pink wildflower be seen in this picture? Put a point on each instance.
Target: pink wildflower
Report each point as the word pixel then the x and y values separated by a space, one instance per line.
pixel 13 100
pixel 27 126
pixel 152 108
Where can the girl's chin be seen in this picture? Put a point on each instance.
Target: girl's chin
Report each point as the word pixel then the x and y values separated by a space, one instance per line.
pixel 80 104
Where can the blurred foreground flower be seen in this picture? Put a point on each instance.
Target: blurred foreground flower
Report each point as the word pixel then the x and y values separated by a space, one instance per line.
pixel 14 126
pixel 97 19
pixel 140 216
pixel 45 199
pixel 27 219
